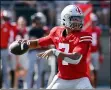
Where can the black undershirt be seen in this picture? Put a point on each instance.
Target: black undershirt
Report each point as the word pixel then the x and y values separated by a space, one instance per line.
pixel 36 32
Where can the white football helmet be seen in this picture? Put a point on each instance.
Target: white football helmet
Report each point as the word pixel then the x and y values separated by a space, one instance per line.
pixel 72 17
pixel 6 13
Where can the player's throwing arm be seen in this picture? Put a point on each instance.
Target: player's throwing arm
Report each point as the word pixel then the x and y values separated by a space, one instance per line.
pixel 21 46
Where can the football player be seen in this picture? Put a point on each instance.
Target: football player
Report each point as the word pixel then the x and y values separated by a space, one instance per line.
pixel 36 31
pixel 72 46
pixel 96 49
pixel 7 31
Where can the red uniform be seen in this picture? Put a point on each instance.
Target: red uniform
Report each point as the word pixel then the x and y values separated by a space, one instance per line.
pixel 74 42
pixel 7 34
pixel 96 33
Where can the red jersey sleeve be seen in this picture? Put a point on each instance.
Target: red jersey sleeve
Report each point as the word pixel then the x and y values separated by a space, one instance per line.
pixel 46 41
pixel 81 48
pixel 83 45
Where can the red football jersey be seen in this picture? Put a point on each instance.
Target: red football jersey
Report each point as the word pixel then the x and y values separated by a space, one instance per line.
pixel 74 42
pixel 96 33
pixel 7 34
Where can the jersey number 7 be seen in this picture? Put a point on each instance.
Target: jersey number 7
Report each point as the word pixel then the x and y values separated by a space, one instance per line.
pixel 66 47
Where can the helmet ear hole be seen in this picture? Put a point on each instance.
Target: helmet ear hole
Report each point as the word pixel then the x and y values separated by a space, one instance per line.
pixel 63 22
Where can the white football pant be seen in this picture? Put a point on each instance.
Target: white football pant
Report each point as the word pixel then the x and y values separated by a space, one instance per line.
pixel 58 83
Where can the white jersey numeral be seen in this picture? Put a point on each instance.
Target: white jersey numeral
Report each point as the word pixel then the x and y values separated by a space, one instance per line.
pixel 66 47
pixel 94 39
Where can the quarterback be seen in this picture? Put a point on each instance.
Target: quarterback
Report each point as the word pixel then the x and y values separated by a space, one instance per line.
pixel 72 46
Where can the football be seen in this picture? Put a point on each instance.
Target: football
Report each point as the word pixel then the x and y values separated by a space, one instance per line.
pixel 18 48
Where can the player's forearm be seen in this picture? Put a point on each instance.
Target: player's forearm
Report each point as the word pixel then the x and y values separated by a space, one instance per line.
pixel 73 58
pixel 33 44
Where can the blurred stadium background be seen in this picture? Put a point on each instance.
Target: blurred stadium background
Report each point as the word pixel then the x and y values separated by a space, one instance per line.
pixel 52 11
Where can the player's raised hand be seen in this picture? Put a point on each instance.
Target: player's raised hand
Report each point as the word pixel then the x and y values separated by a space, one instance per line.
pixel 45 54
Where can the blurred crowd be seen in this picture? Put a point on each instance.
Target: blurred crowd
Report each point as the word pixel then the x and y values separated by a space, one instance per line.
pixel 33 20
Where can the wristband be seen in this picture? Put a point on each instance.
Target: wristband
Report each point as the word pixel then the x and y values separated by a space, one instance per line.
pixel 56 52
